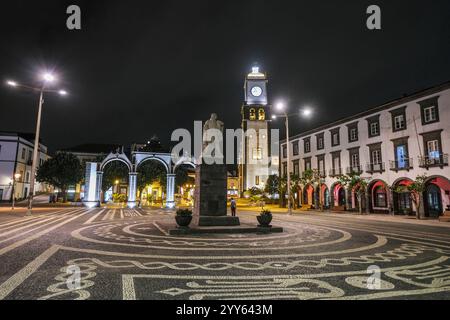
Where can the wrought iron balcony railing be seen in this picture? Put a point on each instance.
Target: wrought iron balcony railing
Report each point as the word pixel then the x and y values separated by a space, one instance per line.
pixel 354 169
pixel 439 160
pixel 335 172
pixel 403 164
pixel 375 167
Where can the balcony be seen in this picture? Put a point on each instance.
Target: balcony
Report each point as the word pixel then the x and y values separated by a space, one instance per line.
pixel 335 172
pixel 398 165
pixel 354 170
pixel 315 173
pixel 439 160
pixel 375 167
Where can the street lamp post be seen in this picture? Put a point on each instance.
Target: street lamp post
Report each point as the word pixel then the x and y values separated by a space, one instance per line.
pixel 46 79
pixel 306 112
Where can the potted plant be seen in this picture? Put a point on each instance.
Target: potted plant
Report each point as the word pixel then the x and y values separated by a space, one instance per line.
pixel 265 218
pixel 183 218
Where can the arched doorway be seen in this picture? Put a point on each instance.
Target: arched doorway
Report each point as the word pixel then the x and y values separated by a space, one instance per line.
pixel 378 197
pixel 185 185
pixel 308 195
pixel 325 196
pixel 403 203
pixel 436 197
pixel 114 182
pixel 338 197
pixel 433 201
pixel 151 181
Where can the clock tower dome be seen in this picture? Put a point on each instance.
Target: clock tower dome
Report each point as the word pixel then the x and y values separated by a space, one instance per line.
pixel 255 162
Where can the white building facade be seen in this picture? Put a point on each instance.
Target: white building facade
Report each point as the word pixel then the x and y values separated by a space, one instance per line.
pixel 16 155
pixel 390 146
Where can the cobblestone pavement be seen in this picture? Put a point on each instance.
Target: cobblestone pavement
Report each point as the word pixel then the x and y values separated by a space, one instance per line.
pixel 128 254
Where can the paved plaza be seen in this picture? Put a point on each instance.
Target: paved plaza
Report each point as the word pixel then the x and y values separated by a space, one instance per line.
pixel 128 254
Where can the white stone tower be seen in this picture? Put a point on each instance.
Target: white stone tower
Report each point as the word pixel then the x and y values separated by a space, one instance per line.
pixel 255 157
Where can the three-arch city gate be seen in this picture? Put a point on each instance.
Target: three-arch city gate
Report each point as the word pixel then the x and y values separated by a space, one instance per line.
pixel 94 175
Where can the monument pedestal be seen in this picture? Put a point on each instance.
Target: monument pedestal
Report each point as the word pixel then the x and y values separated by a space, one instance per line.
pixel 210 208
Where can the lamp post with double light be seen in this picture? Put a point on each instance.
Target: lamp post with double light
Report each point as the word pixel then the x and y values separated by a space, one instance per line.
pixel 46 79
pixel 305 112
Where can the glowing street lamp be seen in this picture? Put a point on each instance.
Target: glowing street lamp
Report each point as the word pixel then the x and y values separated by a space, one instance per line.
pixel 11 83
pixel 305 112
pixel 46 79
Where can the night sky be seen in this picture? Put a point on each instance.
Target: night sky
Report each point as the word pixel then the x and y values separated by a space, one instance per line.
pixel 139 68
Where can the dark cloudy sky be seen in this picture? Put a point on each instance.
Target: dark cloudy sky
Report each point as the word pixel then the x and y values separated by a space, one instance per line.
pixel 142 67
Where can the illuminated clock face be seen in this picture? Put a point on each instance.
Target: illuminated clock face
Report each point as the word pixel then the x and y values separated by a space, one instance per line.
pixel 256 91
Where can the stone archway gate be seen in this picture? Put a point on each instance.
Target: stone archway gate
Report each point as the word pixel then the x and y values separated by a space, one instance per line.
pixel 94 175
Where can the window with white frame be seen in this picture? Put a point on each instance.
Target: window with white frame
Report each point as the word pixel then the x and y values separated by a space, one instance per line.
pixel 23 153
pixel 433 149
pixel 335 139
pixel 399 122
pixel 307 146
pixel 320 143
pixel 307 164
pixel 322 166
pixel 355 160
pixel 376 156
pixel 430 114
pixel 374 129
pixel 296 167
pixel 353 134
pixel 295 148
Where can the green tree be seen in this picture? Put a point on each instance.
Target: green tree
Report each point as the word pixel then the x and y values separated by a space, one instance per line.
pixel 354 181
pixel 115 170
pixel 295 187
pixel 150 172
pixel 312 177
pixel 182 176
pixel 416 189
pixel 272 186
pixel 61 171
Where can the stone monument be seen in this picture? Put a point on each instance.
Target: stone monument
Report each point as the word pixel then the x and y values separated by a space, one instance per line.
pixel 210 208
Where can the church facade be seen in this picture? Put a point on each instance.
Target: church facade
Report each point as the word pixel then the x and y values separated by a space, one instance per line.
pixel 256 161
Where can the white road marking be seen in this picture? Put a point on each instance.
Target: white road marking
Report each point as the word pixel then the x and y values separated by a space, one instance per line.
pixel 18 278
pixel 52 220
pixel 107 214
pixel 40 233
pixel 160 228
pixel 40 221
pixel 95 216
pixel 121 214
pixel 25 219
pixel 372 230
pixel 129 292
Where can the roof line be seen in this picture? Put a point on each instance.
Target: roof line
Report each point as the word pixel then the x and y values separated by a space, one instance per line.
pixel 384 106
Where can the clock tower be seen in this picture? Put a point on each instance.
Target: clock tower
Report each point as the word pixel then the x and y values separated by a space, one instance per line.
pixel 255 159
